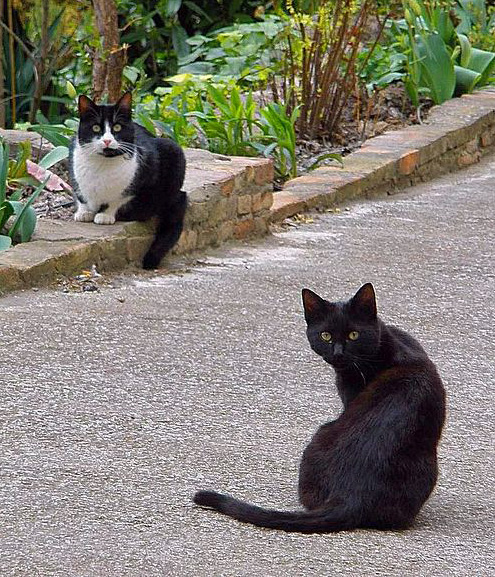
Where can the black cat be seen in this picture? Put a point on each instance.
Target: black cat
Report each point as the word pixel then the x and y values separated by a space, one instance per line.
pixel 376 464
pixel 120 171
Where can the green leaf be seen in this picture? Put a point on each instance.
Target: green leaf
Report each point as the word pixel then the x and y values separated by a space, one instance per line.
pixel 179 41
pixel 19 165
pixel 52 133
pixel 56 155
pixel 6 211
pixel 4 167
pixel 483 62
pixel 465 50
pixel 329 156
pixel 171 7
pixel 466 80
pixel 5 242
pixel 25 223
pixel 437 69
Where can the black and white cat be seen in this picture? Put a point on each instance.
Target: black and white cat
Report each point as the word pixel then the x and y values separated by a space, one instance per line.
pixel 120 171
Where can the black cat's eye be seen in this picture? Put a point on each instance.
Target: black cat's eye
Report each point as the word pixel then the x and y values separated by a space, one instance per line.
pixel 353 336
pixel 96 128
pixel 327 337
pixel 117 127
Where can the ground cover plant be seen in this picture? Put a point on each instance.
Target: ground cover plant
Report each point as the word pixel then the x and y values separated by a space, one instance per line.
pixel 17 217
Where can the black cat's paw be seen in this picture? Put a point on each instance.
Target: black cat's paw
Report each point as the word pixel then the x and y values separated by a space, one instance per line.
pixel 208 499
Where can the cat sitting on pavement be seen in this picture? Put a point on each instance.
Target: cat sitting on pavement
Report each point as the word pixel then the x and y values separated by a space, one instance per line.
pixel 376 464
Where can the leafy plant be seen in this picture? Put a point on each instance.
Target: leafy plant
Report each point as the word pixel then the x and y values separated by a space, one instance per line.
pixel 227 123
pixel 279 138
pixel 249 53
pixel 440 61
pixel 22 213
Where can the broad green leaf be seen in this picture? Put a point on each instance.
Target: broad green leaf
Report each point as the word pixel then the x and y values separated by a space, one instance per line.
pixel 25 229
pixel 5 242
pixel 25 222
pixel 52 133
pixel 437 69
pixel 466 80
pixel 56 155
pixel 465 50
pixel 483 62
pixel 71 91
pixel 171 7
pixel 179 41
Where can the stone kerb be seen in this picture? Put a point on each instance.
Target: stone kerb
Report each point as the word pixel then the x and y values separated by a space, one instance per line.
pixel 456 134
pixel 229 197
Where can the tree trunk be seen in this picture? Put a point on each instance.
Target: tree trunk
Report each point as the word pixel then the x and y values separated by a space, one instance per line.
pixel 110 58
pixel 41 62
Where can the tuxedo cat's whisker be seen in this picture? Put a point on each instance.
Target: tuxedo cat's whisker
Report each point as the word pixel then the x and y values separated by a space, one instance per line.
pixel 376 464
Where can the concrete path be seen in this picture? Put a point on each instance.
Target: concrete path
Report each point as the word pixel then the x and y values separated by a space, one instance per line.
pixel 116 405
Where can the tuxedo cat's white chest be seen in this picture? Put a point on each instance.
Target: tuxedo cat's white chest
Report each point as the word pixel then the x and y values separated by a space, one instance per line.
pixel 101 179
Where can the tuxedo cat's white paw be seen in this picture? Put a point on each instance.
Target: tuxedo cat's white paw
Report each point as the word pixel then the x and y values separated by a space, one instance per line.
pixel 84 216
pixel 102 218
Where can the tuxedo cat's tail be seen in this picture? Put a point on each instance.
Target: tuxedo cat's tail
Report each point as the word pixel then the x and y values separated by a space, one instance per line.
pixel 167 233
pixel 318 521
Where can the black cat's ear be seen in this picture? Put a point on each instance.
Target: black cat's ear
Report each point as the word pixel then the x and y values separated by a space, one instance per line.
pixel 363 303
pixel 85 104
pixel 124 105
pixel 314 306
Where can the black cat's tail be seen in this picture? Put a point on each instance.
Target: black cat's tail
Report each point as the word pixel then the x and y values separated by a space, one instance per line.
pixel 318 521
pixel 167 232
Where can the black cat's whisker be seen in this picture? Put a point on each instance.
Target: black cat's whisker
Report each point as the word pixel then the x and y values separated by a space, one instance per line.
pixel 360 372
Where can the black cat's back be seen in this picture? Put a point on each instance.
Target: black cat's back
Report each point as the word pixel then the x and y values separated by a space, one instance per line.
pixel 376 464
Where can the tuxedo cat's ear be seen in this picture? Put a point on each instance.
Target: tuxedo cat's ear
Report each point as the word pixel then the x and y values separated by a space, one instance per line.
pixel 124 105
pixel 85 104
pixel 363 303
pixel 314 306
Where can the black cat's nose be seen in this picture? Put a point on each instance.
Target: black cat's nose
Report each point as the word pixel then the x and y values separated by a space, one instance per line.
pixel 338 350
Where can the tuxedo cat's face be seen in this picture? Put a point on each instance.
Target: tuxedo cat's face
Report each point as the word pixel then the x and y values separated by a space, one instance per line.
pixel 345 334
pixel 106 129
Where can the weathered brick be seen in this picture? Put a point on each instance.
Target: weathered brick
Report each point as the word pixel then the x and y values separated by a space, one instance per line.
pixel 9 279
pixel 264 172
pixel 244 204
pixel 408 162
pixel 227 187
pixel 243 228
pixel 225 231
pixel 256 202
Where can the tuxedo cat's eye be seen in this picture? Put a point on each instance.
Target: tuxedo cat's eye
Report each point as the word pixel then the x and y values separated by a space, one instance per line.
pixel 353 336
pixel 96 128
pixel 327 337
pixel 117 127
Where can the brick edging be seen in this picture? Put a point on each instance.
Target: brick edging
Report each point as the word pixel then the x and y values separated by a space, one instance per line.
pixel 456 134
pixel 231 198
